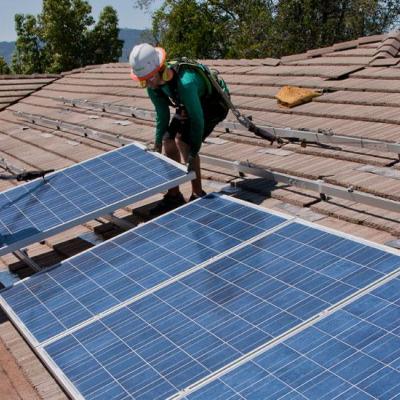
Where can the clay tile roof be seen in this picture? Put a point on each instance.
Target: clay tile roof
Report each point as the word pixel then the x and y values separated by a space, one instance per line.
pixel 320 52
pixel 345 45
pixel 371 39
pixel 389 47
pixel 15 87
pixel 359 99
pixel 360 85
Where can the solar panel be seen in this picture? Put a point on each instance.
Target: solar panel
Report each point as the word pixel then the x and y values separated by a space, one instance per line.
pixel 353 353
pixel 131 264
pixel 41 208
pixel 191 328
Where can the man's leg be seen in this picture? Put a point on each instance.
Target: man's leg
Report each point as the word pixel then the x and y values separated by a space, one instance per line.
pixel 185 150
pixel 173 198
pixel 171 151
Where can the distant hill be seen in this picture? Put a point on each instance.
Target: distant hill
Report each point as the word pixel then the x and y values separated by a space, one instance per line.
pixel 129 36
pixel 6 50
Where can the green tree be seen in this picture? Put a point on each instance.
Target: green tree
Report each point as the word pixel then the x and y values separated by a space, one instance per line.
pixel 64 27
pixel 262 28
pixel 301 25
pixel 104 45
pixel 28 54
pixel 4 69
pixel 214 28
pixel 188 28
pixel 60 38
pixel 250 24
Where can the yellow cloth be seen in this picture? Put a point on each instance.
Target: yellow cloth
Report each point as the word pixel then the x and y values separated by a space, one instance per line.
pixel 291 96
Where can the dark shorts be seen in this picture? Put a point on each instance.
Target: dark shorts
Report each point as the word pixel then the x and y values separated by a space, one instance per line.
pixel 214 112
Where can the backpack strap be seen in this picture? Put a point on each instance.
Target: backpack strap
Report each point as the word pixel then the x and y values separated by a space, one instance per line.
pixel 187 63
pixel 215 86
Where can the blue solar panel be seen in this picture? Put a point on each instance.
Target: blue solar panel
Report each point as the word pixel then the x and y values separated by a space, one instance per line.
pixel 35 210
pixel 191 328
pixel 352 354
pixel 115 271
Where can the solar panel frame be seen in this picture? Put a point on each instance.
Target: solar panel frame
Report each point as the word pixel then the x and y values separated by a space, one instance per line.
pixel 35 343
pixel 348 314
pixel 303 326
pixel 109 208
pixel 57 373
pixel 387 278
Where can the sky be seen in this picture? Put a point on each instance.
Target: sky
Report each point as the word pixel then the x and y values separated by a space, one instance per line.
pixel 129 17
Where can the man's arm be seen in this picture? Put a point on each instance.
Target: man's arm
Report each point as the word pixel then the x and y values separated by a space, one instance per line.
pixel 190 97
pixel 162 118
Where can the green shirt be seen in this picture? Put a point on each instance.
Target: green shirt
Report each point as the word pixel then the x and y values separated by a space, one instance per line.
pixel 191 87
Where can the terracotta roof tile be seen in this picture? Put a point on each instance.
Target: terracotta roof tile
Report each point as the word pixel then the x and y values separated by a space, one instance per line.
pixel 345 45
pixel 358 101
pixel 371 39
pixel 377 73
pixel 12 93
pixel 319 52
pixel 364 98
pixel 377 62
pixel 234 69
pixel 354 52
pixel 375 85
pixel 241 62
pixel 267 91
pixel 24 80
pixel 365 113
pixel 11 99
pixel 337 60
pixel 390 46
pixel 15 87
pixel 295 57
pixel 367 218
pixel 386 52
pixel 309 70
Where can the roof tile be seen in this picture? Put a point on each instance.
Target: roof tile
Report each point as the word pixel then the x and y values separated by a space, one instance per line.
pixel 371 39
pixel 345 45
pixel 359 101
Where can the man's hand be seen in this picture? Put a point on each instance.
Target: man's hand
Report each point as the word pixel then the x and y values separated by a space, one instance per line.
pixel 154 147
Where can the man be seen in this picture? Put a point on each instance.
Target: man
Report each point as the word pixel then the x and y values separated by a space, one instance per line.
pixel 199 108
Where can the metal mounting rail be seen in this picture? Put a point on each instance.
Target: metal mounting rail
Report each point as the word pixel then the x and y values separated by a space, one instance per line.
pixel 121 223
pixel 324 189
pixel 9 167
pixel 115 108
pixel 22 255
pixel 322 138
pixel 320 186
pixel 75 128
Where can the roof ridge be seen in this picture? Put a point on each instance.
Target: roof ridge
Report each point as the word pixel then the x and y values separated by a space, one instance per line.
pixel 340 46
pixel 389 46
pixel 31 76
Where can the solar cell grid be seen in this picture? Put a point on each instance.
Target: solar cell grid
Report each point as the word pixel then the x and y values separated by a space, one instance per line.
pixel 104 277
pixel 353 353
pixel 193 327
pixel 39 208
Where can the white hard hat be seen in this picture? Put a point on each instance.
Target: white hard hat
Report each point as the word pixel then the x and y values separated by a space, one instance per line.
pixel 146 61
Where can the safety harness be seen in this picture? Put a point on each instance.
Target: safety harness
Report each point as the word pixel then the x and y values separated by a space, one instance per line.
pixel 184 63
pixel 217 88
